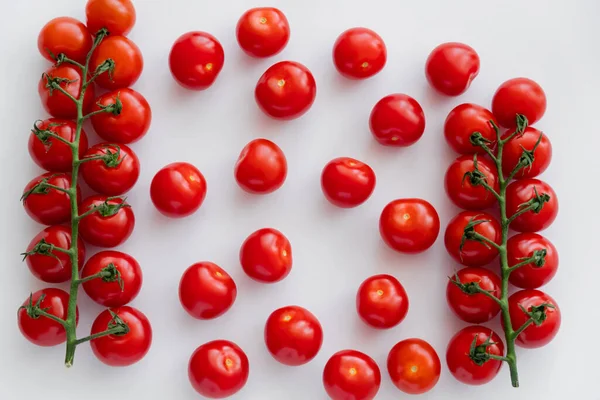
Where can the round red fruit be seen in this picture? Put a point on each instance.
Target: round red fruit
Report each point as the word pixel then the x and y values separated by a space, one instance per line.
pixel 261 167
pixel 178 190
pixel 350 374
pixel 113 174
pixel 347 182
pixel 397 120
pixel 382 302
pixel 49 206
pixel 464 182
pixel 196 59
pixel 110 225
pixel 359 53
pixel 518 96
pixel 128 62
pixel 58 104
pixel 50 153
pixel 414 366
pixel 539 195
pixel 451 67
pixel 116 16
pixel 263 31
pixel 528 140
pixel 266 256
pixel 65 35
pixel 463 121
pixel 474 307
pixel 472 253
pixel 542 310
pixel 540 271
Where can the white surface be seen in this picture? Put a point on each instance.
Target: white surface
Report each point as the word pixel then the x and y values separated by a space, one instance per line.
pixel 553 42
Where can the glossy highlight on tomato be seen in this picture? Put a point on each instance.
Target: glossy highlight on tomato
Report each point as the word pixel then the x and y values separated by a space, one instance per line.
pixel 117 16
pixel 51 154
pixel 473 253
pixel 531 276
pixel 262 31
pixel 522 191
pixel 261 167
pixel 397 120
pixel 518 96
pixel 451 67
pixel 382 302
pixel 359 53
pixel 196 59
pixel 414 366
pixel 534 335
pixel 350 374
pixel 178 190
pixel 109 226
pixel 115 176
pixel 462 192
pixel 474 308
pixel 347 182
pixel 266 256
pixel 127 58
pixel 57 103
pixel 527 140
pixel 64 35
pixel 464 120
pixel 49 206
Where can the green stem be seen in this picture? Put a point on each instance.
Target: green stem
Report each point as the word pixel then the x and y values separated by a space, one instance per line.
pixel 523 327
pixel 112 331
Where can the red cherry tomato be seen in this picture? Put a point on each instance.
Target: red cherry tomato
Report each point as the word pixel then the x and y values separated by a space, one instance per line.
pixel 474 308
pixel 196 59
pixel 463 121
pixel 473 253
pixel 261 167
pixel 459 188
pixel 522 191
pixel 262 31
pixel 266 256
pixel 382 302
pixel 534 336
pixel 115 175
pixel 114 290
pixel 65 35
pixel 49 206
pixel 409 225
pixel 178 190
pixel 123 349
pixel 293 335
pixel 286 90
pixel 57 103
pixel 206 291
pixel 531 276
pixel 451 67
pixel 129 122
pixel 518 96
pixel 359 53
pixel 460 364
pixel 527 140
pixel 50 153
pixel 128 59
pixel 397 120
pixel 218 369
pixel 110 225
pixel 43 331
pixel 54 267
pixel 117 16
pixel 350 374
pixel 414 366
pixel 347 182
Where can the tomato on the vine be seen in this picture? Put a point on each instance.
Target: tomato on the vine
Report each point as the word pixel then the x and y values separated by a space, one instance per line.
pixel 414 366
pixel 286 90
pixel 57 103
pixel 196 59
pixel 532 275
pixel 527 140
pixel 110 225
pixel 121 286
pixel 218 369
pixel 522 191
pixel 49 206
pixel 474 308
pixel 128 62
pixel 397 120
pixel 178 190
pixel 473 253
pixel 206 291
pixel 464 120
pixel 262 31
pixel 347 182
pixel 51 154
pixel 359 53
pixel 117 16
pixel 350 374
pixel 545 312
pixel 451 67
pixel 460 189
pixel 114 175
pixel 518 96
pixel 130 120
pixel 266 256
pixel 293 335
pixel 65 35
pixel 261 167
pixel 120 350
pixel 381 301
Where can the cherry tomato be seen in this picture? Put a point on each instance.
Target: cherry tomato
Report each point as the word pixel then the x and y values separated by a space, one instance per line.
pixel 128 59
pixel 464 120
pixel 113 290
pixel 518 96
pixel 347 182
pixel 474 308
pixel 121 350
pixel 266 256
pixel 43 331
pixel 54 266
pixel 522 191
pixel 409 225
pixel 58 104
pixel 49 206
pixel 531 276
pixel 460 364
pixel 110 225
pixel 178 190
pixel 65 35
pixel 359 53
pixel 527 140
pixel 218 369
pixel 459 188
pixel 397 120
pixel 350 374
pixel 534 335
pixel 130 121
pixel 451 67
pixel 206 291
pixel 382 302
pixel 286 90
pixel 52 154
pixel 261 167
pixel 262 31
pixel 414 366
pixel 196 59
pixel 115 175
pixel 293 335
pixel 473 253
pixel 117 16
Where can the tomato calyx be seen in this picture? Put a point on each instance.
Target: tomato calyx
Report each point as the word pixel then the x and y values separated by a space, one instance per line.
pixel 470 288
pixel 479 354
pixel 105 209
pixel 110 273
pixel 34 311
pixel 113 108
pixel 527 157
pixel 535 204
pixel 44 135
pixel 471 234
pixel 116 326
pixel 45 249
pixel 53 83
pixel 43 187
pixel 537 314
pixel 476 177
pixel 477 139
pixel 111 159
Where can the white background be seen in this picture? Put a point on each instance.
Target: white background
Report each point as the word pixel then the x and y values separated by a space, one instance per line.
pixel 553 42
